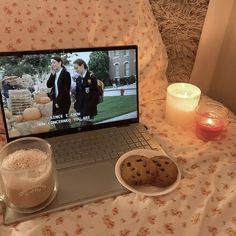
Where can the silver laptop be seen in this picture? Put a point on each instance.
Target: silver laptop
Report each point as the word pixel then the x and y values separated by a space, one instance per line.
pixel 86 146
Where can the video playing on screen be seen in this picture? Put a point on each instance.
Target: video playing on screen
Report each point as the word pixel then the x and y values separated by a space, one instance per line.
pixel 48 91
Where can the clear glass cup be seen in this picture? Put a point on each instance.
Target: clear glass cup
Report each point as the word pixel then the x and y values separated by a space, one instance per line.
pixel 211 121
pixel 28 174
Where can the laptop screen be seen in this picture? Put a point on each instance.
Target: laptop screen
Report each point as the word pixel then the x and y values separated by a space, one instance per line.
pixel 44 93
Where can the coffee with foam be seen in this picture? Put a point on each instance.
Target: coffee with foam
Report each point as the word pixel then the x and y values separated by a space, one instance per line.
pixel 28 178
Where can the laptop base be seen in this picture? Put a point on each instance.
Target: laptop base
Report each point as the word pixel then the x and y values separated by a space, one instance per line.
pixel 86 191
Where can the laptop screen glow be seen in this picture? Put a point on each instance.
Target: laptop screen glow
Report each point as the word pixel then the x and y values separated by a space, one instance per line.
pixel 61 90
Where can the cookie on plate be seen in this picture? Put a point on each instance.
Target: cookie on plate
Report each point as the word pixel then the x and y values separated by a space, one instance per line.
pixel 137 170
pixel 166 171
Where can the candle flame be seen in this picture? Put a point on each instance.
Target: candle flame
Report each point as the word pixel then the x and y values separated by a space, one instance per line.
pixel 185 95
pixel 210 121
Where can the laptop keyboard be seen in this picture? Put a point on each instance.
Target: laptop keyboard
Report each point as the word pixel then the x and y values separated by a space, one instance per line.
pixel 99 145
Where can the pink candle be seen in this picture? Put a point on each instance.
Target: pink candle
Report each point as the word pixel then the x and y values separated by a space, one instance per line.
pixel 211 120
pixel 208 127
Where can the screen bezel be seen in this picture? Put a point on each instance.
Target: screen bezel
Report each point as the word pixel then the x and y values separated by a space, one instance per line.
pixel 77 129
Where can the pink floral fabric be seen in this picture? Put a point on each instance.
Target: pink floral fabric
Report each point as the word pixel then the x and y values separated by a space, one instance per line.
pixel 205 201
pixel 203 204
pixel 34 25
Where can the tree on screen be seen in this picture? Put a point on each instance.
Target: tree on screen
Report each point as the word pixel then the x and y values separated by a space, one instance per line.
pixel 99 65
pixel 27 64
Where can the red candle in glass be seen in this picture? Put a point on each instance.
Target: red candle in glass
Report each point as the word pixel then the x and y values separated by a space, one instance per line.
pixel 211 120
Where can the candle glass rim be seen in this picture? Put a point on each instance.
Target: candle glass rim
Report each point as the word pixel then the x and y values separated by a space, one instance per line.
pixel 49 154
pixel 223 114
pixel 197 91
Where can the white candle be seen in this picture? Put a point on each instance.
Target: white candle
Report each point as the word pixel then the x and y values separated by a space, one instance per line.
pixel 181 101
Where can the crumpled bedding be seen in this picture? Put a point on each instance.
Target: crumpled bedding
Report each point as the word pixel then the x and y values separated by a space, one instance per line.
pixel 205 201
pixel 202 204
pixel 35 25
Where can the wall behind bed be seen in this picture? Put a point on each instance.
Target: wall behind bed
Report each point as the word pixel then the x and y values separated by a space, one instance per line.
pixel 215 65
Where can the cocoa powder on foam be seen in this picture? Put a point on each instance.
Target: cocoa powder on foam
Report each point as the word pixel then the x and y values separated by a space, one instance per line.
pixel 23 159
pixel 26 187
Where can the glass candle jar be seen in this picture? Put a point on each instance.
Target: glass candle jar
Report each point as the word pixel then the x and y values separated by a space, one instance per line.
pixel 181 101
pixel 211 121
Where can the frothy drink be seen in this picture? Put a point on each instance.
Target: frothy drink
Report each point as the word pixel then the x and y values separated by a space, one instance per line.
pixel 28 178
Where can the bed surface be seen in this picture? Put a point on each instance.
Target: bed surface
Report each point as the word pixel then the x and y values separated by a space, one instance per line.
pixel 205 201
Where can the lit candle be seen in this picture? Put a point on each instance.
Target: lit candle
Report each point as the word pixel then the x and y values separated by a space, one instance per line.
pixel 181 101
pixel 211 120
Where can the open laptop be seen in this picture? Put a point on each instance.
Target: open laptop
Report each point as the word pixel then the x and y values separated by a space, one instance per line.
pixel 87 148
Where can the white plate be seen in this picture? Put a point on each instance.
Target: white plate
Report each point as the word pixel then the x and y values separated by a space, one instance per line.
pixel 146 190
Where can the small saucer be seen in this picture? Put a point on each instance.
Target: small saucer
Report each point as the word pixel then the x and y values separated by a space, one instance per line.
pixel 146 190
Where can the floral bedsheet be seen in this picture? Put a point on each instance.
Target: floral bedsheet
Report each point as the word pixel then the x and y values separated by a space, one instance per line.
pixel 204 203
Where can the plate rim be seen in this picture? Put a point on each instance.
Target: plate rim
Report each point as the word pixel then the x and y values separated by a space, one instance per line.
pixel 153 153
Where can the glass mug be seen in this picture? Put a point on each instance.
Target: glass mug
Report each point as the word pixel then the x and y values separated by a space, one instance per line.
pixel 28 174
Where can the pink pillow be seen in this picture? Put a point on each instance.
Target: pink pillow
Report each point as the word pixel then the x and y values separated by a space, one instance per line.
pixel 33 25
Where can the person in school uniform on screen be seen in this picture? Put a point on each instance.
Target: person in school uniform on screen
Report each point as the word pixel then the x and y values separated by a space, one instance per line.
pixel 60 84
pixel 86 94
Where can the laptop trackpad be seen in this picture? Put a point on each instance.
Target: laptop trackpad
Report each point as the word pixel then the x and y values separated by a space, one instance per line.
pixel 87 183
